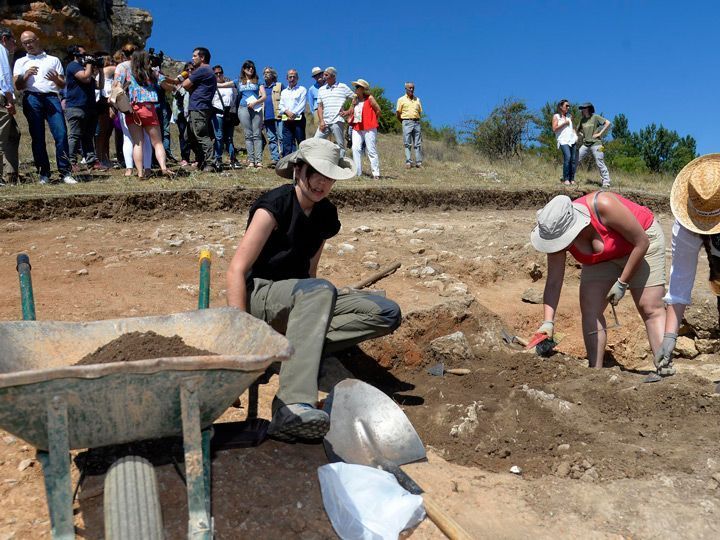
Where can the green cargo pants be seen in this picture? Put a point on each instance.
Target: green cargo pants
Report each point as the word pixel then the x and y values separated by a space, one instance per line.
pixel 9 143
pixel 203 133
pixel 316 318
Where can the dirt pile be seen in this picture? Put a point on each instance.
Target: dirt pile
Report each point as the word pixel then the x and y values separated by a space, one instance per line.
pixel 548 416
pixel 135 346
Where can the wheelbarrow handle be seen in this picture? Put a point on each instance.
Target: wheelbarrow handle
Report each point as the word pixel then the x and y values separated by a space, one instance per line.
pixel 27 300
pixel 204 287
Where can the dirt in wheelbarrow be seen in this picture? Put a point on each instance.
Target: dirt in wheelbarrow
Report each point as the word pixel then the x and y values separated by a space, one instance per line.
pixel 135 346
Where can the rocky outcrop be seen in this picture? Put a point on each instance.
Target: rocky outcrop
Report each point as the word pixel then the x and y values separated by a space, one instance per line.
pixel 99 25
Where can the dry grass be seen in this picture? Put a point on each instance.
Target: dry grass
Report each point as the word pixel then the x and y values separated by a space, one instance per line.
pixel 444 168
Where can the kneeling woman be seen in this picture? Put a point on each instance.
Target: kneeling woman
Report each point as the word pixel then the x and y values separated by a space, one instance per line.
pixel 273 277
pixel 620 245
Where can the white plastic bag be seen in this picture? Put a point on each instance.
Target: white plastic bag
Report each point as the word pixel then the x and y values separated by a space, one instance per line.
pixel 367 504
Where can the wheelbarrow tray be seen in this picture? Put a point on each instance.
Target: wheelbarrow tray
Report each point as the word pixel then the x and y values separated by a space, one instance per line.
pixel 122 402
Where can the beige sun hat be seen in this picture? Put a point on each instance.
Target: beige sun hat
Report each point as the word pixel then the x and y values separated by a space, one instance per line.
pixel 322 155
pixel 695 195
pixel 361 82
pixel 558 223
pixel 316 70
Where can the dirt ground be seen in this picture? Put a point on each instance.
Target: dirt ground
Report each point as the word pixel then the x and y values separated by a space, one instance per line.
pixel 601 454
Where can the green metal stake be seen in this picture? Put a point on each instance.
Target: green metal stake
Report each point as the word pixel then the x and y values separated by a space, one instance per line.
pixel 26 290
pixel 204 294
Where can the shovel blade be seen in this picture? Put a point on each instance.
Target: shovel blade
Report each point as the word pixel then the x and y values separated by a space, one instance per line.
pixel 368 428
pixel 437 370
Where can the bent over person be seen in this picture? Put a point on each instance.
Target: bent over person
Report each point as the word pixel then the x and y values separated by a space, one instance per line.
pixel 620 245
pixel 273 276
pixel 695 203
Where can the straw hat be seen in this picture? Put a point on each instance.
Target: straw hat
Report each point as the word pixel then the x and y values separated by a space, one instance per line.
pixel 322 155
pixel 695 195
pixel 316 71
pixel 361 82
pixel 558 223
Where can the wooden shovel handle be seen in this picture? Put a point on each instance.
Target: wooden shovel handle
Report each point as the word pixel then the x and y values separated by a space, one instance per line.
pixel 377 276
pixel 451 528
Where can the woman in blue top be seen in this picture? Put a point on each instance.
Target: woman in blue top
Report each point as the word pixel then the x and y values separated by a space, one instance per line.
pixel 143 95
pixel 250 112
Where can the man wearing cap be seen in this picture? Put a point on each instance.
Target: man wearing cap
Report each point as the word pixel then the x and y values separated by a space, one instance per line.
pixel 292 108
pixel 695 203
pixel 312 94
pixel 591 129
pixel 620 245
pixel 409 111
pixel 331 115
pixel 39 77
pixel 9 132
pixel 273 276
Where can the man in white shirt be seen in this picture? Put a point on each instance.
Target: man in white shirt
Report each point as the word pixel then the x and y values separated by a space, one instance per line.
pixel 9 132
pixel 39 77
pixel 292 107
pixel 331 115
pixel 225 105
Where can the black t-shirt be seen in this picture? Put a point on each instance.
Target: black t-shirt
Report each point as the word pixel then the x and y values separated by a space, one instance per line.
pixel 297 238
pixel 78 94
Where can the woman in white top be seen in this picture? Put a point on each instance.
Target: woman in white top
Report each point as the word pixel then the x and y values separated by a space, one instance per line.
pixel 566 139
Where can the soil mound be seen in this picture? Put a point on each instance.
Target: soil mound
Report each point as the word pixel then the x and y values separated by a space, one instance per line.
pixel 135 346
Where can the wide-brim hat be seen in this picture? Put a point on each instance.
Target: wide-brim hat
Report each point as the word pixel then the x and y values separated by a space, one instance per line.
pixel 316 71
pixel 587 105
pixel 695 195
pixel 361 82
pixel 558 223
pixel 322 155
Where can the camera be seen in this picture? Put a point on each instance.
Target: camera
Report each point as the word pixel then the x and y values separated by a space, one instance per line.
pixel 156 59
pixel 97 61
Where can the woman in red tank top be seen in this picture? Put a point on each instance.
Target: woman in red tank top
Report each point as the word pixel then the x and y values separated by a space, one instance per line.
pixel 364 124
pixel 620 246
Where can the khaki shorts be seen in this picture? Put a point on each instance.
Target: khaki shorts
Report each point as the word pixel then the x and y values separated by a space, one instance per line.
pixel 650 273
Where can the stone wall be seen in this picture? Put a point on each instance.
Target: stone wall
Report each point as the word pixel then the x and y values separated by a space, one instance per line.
pixel 98 25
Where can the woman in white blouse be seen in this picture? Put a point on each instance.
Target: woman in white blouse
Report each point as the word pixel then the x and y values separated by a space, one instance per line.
pixel 566 139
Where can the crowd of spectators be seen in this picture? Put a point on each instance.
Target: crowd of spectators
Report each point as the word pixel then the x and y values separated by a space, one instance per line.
pixel 75 99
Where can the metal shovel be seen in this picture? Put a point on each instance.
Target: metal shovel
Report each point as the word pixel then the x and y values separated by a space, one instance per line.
pixel 368 428
pixel 616 325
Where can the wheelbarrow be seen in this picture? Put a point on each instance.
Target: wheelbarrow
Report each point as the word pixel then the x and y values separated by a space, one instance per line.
pixel 56 406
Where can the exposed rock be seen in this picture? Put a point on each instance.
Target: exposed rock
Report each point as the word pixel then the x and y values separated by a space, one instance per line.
pixel 453 348
pixel 468 423
pixel 707 346
pixel 534 271
pixel 25 463
pixel 702 316
pixel 685 347
pixel 100 25
pixel 532 296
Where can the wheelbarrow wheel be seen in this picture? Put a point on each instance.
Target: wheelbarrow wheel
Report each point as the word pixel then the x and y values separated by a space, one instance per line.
pixel 131 501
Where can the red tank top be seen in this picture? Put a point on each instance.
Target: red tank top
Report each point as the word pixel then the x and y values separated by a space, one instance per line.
pixel 369 118
pixel 614 245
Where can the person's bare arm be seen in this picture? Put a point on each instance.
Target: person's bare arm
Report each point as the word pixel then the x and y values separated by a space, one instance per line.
pixel 616 216
pixel 168 84
pixel 375 106
pixel 225 84
pixel 187 84
pixel 553 283
pixel 247 252
pixel 557 123
pixel 21 80
pixel 315 260
pixel 86 75
pixel 607 125
pixel 321 123
pixel 261 97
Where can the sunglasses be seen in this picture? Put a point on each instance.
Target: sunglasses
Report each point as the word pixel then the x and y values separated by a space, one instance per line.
pixel 218 73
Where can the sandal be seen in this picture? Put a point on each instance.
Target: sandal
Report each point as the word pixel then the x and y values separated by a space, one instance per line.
pixel 169 173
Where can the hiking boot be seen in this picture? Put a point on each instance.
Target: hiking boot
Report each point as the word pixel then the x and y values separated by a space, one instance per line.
pixel 419 165
pixel 44 179
pixel 408 165
pixel 299 421
pixel 68 179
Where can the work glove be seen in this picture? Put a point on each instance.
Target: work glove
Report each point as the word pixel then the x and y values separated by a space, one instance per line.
pixel 616 292
pixel 663 358
pixel 547 328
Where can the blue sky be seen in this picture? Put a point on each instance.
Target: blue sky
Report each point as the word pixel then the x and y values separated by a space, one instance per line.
pixel 654 61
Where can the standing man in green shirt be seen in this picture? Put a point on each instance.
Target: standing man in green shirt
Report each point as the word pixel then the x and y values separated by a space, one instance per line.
pixel 591 129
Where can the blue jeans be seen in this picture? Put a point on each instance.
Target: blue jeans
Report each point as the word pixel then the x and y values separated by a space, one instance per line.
pixel 224 130
pixel 37 109
pixel 569 162
pixel 271 132
pixel 293 134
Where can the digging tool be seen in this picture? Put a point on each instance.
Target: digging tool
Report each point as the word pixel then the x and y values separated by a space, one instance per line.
pixel 368 428
pixel 510 338
pixel 377 276
pixel 438 370
pixel 615 325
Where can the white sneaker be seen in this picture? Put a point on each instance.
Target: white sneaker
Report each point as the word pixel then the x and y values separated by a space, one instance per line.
pixel 67 179
pixel 44 179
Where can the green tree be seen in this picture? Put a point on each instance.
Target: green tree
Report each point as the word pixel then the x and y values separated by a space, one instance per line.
pixel 388 122
pixel 505 132
pixel 620 128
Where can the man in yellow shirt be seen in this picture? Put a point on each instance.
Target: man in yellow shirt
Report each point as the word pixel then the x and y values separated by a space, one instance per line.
pixel 409 111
